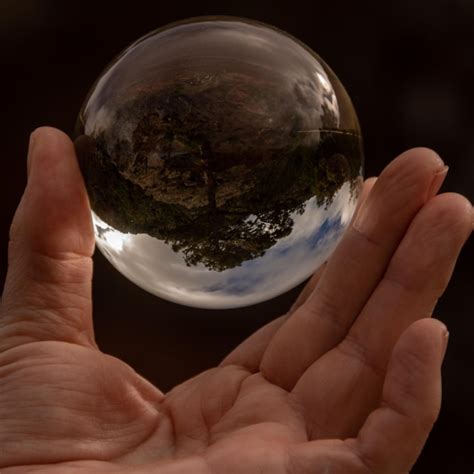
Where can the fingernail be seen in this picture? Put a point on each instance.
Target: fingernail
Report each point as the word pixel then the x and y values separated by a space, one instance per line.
pixel 445 337
pixel 438 180
pixel 31 147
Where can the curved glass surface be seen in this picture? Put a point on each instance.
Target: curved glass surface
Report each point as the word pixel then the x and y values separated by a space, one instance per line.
pixel 223 160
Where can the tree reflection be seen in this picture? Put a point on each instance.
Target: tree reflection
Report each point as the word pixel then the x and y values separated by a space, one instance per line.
pixel 196 175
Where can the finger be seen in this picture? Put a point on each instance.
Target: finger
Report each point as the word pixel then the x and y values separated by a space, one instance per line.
pixel 312 283
pixel 47 294
pixel 353 372
pixel 249 353
pixel 355 267
pixel 329 456
pixel 416 278
pixel 366 189
pixel 393 436
pixel 308 288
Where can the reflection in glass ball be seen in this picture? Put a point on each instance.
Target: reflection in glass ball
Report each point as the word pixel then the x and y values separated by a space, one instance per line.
pixel 223 160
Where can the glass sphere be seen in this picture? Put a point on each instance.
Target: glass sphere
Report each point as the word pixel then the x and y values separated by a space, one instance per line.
pixel 223 160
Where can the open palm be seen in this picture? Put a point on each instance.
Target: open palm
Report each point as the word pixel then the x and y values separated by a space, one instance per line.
pixel 348 381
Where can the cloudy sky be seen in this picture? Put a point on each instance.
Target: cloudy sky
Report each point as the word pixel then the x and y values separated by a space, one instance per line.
pixel 154 266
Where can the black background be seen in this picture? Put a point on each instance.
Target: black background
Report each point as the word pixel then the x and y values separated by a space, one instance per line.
pixel 409 69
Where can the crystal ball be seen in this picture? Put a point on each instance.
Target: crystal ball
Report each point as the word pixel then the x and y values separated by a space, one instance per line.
pixel 223 160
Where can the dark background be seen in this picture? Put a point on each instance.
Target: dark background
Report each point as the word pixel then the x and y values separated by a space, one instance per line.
pixel 409 69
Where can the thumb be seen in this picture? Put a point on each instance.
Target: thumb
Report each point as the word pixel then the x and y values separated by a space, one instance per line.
pixel 393 436
pixel 47 294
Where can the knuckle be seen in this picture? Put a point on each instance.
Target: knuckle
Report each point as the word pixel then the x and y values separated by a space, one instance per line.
pixel 411 362
pixel 352 347
pixel 326 308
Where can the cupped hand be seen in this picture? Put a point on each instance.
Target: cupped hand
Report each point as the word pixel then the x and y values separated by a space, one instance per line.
pixel 348 381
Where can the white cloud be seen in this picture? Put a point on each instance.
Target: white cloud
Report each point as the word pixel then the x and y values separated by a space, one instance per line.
pixel 154 266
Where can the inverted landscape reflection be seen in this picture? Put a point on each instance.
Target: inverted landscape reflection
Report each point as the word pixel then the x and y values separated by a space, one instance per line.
pixel 223 160
pixel 154 266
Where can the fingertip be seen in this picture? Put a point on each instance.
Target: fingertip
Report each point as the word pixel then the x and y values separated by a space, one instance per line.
pixel 413 382
pixel 47 131
pixel 56 202
pixel 43 139
pixel 416 167
pixel 421 348
pixel 399 192
pixel 370 181
pixel 414 367
pixel 425 154
pixel 395 433
pixel 451 212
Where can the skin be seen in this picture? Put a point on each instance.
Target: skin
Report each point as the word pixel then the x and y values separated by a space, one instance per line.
pixel 348 381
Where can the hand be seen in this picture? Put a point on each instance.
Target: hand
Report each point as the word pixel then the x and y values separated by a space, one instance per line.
pixel 347 382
